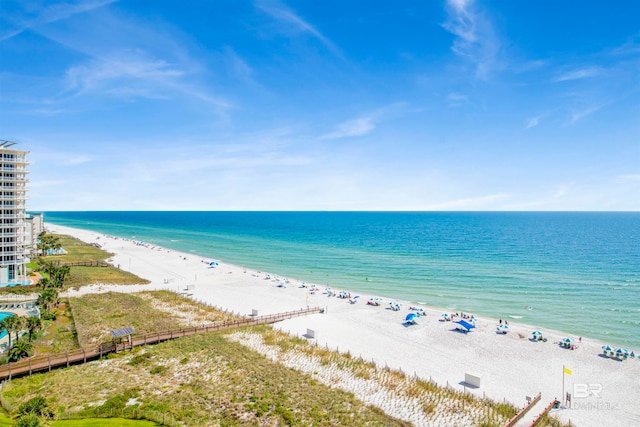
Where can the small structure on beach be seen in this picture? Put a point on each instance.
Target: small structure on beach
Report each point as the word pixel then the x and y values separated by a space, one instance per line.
pixel 121 337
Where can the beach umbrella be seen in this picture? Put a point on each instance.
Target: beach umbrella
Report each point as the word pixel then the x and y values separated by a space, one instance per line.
pixel 445 315
pixel 503 329
pixel 537 334
pixel 607 347
pixel 622 352
pixel 410 317
pixel 465 325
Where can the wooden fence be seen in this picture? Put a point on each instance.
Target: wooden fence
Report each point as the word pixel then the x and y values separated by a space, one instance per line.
pixel 84 264
pixel 544 412
pixel 68 358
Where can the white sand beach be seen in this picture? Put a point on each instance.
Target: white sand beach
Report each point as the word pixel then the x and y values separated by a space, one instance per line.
pixel 510 366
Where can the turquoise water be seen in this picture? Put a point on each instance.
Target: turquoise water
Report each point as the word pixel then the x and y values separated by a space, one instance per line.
pixel 18 283
pixel 576 272
pixel 4 314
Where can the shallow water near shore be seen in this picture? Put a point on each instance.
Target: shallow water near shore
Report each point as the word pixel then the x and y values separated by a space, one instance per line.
pixel 575 272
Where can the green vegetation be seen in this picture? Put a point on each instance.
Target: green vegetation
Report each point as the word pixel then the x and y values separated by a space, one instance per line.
pixel 78 251
pixel 103 422
pixel 212 378
pixel 223 382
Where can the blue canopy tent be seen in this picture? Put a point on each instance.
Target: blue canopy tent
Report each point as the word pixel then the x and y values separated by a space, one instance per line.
pixel 465 326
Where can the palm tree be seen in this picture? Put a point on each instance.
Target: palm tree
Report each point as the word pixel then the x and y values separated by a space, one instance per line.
pixel 9 325
pixel 20 350
pixel 47 298
pixel 43 282
pixel 33 324
pixel 19 324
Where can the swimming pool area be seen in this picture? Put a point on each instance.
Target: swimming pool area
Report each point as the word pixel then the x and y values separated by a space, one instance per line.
pixel 18 283
pixel 4 315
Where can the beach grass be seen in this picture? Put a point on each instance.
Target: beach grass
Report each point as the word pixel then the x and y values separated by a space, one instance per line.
pixel 436 402
pixel 206 379
pixel 97 314
pixel 103 422
pixel 221 378
pixel 57 335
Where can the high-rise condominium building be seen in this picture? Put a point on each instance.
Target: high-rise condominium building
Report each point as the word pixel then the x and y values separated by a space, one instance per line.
pixel 13 203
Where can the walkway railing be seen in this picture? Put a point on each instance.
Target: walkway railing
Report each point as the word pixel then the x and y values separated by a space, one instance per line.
pixel 74 357
pixel 517 417
pixel 544 412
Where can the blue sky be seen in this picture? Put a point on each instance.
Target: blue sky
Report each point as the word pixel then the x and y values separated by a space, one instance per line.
pixel 333 105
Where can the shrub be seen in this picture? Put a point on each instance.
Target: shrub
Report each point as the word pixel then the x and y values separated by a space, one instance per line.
pixel 37 406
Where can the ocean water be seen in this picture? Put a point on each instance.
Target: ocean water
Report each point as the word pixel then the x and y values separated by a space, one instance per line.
pixel 574 272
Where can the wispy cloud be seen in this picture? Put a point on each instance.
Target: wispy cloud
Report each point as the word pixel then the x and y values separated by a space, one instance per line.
pixel 580 73
pixel 121 66
pixel 355 127
pixel 133 74
pixel 532 122
pixel 237 67
pixel 51 13
pixel 294 23
pixel 469 203
pixel 366 123
pixel 456 99
pixel 562 190
pixel 78 160
pixel 475 38
pixel 578 115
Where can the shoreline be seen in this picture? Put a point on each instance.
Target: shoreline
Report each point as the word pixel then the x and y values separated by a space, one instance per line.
pixel 510 367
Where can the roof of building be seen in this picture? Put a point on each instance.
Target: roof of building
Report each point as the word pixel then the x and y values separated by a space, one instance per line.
pixel 122 332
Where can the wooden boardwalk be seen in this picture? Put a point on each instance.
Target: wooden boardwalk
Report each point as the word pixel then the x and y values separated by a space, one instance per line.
pixel 48 362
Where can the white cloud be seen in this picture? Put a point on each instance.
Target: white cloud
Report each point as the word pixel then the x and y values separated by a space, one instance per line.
pixel 456 99
pixel 237 67
pixel 294 22
pixel 578 115
pixel 52 13
pixel 562 190
pixel 355 127
pixel 475 37
pixel 120 66
pixel 532 122
pixel 581 73
pixel 134 74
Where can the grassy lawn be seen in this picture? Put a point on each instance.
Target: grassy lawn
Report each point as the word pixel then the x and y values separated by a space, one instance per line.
pixel 79 251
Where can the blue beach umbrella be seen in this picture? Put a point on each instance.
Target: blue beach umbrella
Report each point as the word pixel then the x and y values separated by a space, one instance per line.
pixel 536 335
pixel 410 317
